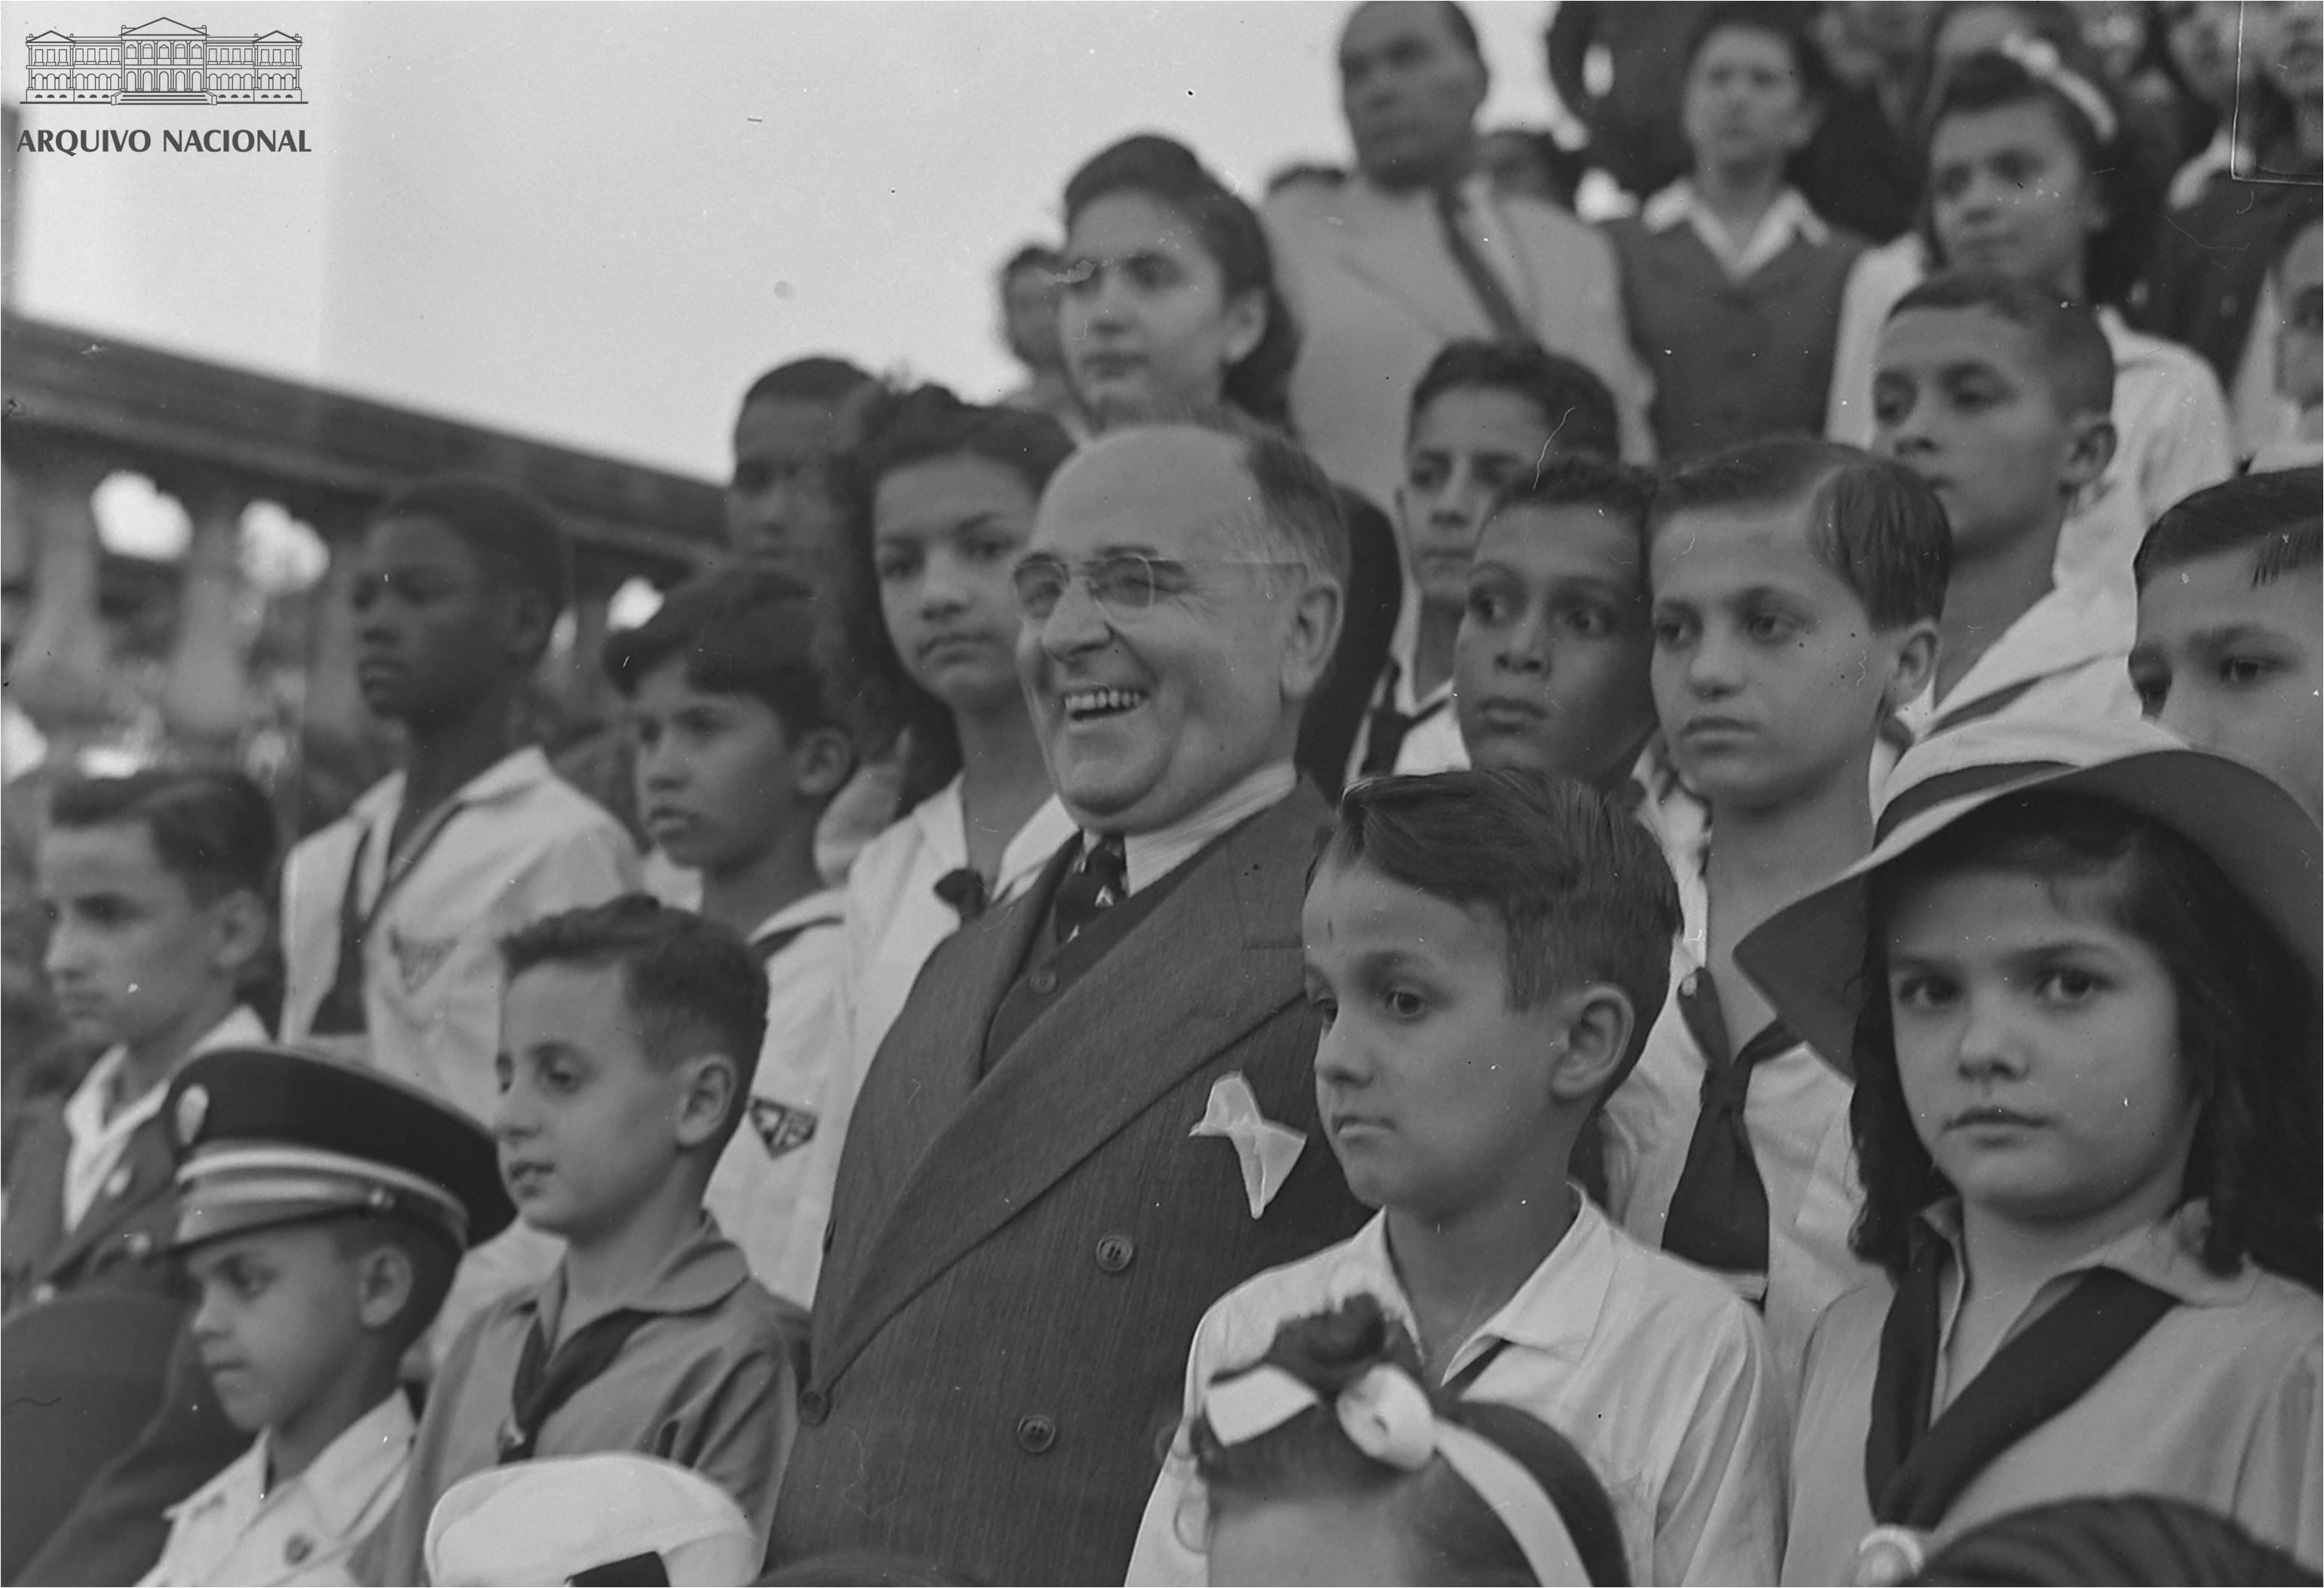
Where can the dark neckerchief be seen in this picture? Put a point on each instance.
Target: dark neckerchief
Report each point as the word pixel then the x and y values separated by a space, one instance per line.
pixel 1914 1469
pixel 547 1379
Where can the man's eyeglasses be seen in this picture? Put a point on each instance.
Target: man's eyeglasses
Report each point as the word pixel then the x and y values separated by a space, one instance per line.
pixel 1122 584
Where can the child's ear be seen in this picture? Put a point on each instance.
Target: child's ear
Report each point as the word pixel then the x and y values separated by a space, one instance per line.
pixel 530 617
pixel 240 923
pixel 707 1085
pixel 1595 1027
pixel 2090 445
pixel 384 1283
pixel 1916 664
pixel 822 761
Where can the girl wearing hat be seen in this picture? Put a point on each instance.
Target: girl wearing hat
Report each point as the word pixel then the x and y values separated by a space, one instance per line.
pixel 2078 974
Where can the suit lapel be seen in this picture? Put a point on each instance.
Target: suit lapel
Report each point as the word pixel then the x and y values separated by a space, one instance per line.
pixel 142 1175
pixel 1216 957
pixel 926 1067
pixel 1422 277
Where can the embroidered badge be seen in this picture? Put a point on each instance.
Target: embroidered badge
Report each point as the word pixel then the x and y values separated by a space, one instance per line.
pixel 418 959
pixel 782 1126
pixel 193 1108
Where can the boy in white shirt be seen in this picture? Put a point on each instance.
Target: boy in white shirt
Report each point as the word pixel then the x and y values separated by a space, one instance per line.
pixel 391 915
pixel 1480 946
pixel 739 751
pixel 321 1211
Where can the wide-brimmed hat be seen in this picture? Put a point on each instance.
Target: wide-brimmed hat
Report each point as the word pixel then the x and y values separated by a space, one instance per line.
pixel 1808 958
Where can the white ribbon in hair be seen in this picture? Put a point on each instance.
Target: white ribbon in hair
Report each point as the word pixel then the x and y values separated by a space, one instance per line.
pixel 2040 57
pixel 1386 1414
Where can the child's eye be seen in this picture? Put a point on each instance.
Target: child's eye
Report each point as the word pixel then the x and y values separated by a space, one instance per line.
pixel 1424 475
pixel 2243 671
pixel 1768 627
pixel 1403 1002
pixel 891 566
pixel 2067 984
pixel 1920 994
pixel 1487 606
pixel 1591 623
pixel 986 551
pixel 1327 1009
pixel 559 1077
pixel 1670 633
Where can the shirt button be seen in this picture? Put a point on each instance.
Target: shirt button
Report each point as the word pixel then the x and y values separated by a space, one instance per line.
pixel 814 1406
pixel 1114 1252
pixel 1043 980
pixel 1036 1433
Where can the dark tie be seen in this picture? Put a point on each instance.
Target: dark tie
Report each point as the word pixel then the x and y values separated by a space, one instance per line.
pixel 1099 881
pixel 1719 1213
pixel 1508 324
pixel 965 892
pixel 547 1379
pixel 1389 728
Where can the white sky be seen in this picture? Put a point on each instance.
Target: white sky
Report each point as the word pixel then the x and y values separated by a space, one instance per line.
pixel 594 222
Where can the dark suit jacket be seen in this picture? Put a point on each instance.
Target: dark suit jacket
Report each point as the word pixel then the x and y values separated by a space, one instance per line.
pixel 115 1243
pixel 1374 595
pixel 1017 1266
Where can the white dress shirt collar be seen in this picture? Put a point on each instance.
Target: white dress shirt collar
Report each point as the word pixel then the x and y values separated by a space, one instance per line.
pixel 1153 855
pixel 1787 217
pixel 97 1143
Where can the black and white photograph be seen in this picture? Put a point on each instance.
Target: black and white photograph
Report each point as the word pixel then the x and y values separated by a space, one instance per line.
pixel 1162 792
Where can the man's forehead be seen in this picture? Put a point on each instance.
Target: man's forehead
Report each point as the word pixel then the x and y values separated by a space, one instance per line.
pixel 1375 25
pixel 1946 337
pixel 788 426
pixel 1162 485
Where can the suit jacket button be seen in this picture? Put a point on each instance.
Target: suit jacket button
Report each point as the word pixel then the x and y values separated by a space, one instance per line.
pixel 1114 1252
pixel 44 1292
pixel 1044 980
pixel 814 1406
pixel 140 1245
pixel 1036 1433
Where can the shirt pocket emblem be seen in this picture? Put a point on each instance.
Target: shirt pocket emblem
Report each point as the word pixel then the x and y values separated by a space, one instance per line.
pixel 784 1127
pixel 418 959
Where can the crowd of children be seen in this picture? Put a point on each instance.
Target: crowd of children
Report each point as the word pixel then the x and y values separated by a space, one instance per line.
pixel 1815 968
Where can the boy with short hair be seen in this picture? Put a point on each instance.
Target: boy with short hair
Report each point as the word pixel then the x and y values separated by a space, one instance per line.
pixel 321 1211
pixel 739 751
pixel 1484 416
pixel 391 914
pixel 1998 393
pixel 2228 652
pixel 1550 668
pixel 1797 586
pixel 630 1033
pixel 1480 945
pixel 157 887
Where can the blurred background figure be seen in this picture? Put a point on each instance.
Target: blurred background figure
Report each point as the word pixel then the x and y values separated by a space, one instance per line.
pixel 1619 69
pixel 1862 168
pixel 1030 291
pixel 1529 163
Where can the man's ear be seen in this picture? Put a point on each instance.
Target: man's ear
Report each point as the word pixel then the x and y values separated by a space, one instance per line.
pixel 822 761
pixel 384 1281
pixel 707 1087
pixel 1915 665
pixel 1593 1031
pixel 1314 635
pixel 2089 448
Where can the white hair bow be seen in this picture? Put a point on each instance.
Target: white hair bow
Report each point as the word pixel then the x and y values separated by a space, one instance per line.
pixel 2040 57
pixel 1387 1414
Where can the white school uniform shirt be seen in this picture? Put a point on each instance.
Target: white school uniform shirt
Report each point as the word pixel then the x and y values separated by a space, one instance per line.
pixel 892 921
pixel 759 1190
pixel 1656 1372
pixel 524 843
pixel 94 1143
pixel 1432 744
pixel 232 1530
pixel 2066 658
pixel 1795 1112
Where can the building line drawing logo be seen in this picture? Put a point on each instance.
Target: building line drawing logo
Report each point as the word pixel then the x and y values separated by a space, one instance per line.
pixel 164 62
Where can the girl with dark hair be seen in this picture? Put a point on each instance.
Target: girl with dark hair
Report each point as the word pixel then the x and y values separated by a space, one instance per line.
pixel 2080 971
pixel 1170 293
pixel 1171 304
pixel 939 498
pixel 1329 1460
